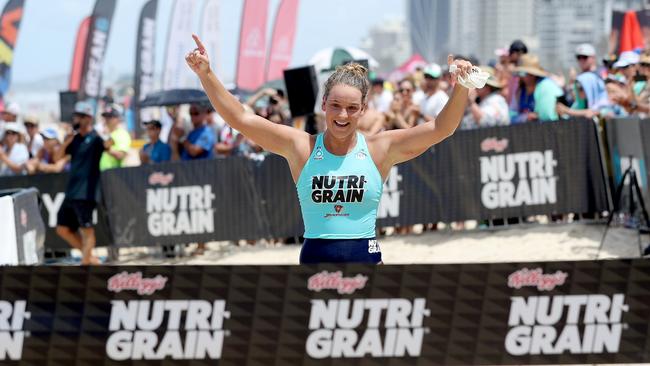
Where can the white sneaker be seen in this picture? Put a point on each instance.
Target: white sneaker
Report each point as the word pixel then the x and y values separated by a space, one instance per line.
pixel 475 80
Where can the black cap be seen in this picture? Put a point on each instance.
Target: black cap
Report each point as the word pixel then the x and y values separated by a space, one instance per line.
pixel 153 122
pixel 518 46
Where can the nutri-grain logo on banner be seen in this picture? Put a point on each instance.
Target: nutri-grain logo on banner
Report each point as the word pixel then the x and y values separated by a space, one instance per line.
pixel 162 329
pixel 12 335
pixel 390 197
pixel 178 210
pixel 354 328
pixel 557 324
pixel 516 179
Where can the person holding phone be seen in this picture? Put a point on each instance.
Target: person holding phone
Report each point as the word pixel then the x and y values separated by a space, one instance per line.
pixel 339 173
pixel 85 148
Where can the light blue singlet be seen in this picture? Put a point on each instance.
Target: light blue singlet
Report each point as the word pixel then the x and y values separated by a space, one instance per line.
pixel 339 195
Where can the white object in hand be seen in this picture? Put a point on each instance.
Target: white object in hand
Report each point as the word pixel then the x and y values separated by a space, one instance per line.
pixel 475 79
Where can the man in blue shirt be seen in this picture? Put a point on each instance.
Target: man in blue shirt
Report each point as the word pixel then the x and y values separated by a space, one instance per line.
pixel 200 142
pixel 155 151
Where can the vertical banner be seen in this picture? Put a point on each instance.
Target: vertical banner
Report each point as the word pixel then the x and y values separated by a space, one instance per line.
pixel 78 55
pixel 284 34
pixel 100 27
pixel 176 74
pixel 145 53
pixel 210 33
pixel 10 20
pixel 629 31
pixel 252 45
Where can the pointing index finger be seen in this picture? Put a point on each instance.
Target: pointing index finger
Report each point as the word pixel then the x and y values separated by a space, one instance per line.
pixel 199 44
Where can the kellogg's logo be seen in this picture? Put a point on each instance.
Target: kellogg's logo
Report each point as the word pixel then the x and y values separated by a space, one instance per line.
pixel 161 178
pixel 335 281
pixel 494 144
pixel 536 278
pixel 135 282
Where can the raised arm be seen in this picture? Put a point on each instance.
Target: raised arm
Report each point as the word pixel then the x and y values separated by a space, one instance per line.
pixel 404 144
pixel 280 139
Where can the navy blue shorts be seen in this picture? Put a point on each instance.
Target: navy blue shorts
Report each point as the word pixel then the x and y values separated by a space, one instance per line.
pixel 340 251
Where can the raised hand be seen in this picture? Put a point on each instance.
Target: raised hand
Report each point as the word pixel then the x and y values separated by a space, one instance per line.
pixel 198 59
pixel 464 68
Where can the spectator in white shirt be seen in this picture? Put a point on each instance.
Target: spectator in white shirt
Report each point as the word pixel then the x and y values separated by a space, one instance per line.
pixel 435 98
pixel 379 98
pixel 487 106
pixel 14 155
pixel 34 138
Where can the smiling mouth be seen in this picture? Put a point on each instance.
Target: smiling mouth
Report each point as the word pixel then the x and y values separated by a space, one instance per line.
pixel 341 124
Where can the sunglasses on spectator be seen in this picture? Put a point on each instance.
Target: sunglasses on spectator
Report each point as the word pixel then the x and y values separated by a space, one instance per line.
pixel 581 57
pixel 11 133
pixel 30 125
pixel 645 64
pixel 194 113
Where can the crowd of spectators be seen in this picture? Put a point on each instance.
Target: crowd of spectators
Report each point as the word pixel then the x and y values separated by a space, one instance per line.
pixel 518 90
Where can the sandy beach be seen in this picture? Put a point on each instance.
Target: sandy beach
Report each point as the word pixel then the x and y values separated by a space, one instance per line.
pixel 520 243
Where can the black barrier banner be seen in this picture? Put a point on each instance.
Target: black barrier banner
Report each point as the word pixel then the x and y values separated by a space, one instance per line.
pixel 278 197
pixel 456 314
pixel 517 171
pixel 627 139
pixel 52 194
pixel 499 172
pixel 192 201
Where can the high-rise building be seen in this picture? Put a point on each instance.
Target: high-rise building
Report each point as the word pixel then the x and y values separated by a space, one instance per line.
pixel 550 28
pixel 469 27
pixel 388 43
pixel 429 26
pixel 561 26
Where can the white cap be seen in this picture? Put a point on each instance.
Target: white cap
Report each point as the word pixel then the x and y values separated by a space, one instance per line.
pixel 12 108
pixel 627 58
pixel 13 126
pixel 585 49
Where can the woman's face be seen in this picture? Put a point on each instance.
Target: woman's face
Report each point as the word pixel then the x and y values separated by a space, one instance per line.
pixel 50 144
pixel 343 107
pixel 11 138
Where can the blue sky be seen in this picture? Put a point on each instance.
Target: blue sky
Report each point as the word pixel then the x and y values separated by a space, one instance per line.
pixel 48 32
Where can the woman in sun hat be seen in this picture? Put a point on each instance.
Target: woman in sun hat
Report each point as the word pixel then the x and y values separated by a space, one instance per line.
pixel 537 95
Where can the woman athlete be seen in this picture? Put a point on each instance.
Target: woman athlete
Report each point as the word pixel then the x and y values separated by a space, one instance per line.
pixel 339 173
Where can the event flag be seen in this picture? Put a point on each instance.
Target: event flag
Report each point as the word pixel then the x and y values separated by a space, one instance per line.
pixel 78 55
pixel 10 20
pixel 96 44
pixel 176 74
pixel 284 34
pixel 210 33
pixel 145 52
pixel 252 45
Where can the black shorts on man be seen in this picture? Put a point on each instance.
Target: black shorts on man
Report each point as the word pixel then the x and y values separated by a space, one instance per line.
pixel 76 213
